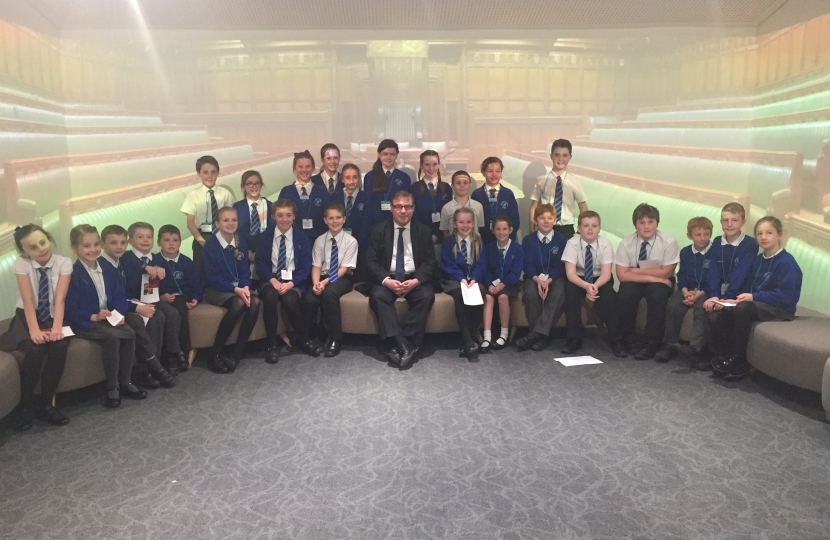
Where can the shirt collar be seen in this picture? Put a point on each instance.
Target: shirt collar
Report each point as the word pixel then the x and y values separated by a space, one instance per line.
pixel 326 176
pixel 354 193
pixel 174 259
pixel 289 234
pixel 541 236
pixel 487 188
pixel 459 238
pixel 206 189
pixel 594 244
pixel 139 254
pixel 506 247
pixel 96 270
pixel 737 241
pixel 338 237
pixel 49 263
pixel 703 251
pixel 222 241
pixel 306 185
pixel 390 171
pixel 773 255
pixel 650 241
pixel 251 201
pixel 112 261
pixel 408 226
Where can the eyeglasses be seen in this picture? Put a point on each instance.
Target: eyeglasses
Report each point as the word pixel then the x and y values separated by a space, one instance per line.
pixel 255 184
pixel 405 207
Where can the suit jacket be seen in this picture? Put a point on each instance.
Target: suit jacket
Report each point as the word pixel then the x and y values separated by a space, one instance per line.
pixel 379 255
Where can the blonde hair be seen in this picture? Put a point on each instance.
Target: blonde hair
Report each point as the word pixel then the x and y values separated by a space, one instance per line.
pixel 78 231
pixel 475 242
pixel 224 210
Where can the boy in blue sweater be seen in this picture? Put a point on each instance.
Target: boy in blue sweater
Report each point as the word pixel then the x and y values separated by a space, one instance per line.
pixel 544 284
pixel 691 291
pixel 770 292
pixel 496 200
pixel 181 286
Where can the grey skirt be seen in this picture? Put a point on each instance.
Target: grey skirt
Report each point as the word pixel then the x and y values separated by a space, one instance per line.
pixel 448 286
pixel 216 298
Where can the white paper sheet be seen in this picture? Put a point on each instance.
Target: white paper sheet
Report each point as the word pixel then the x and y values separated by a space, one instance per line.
pixel 578 361
pixel 114 317
pixel 149 289
pixel 67 332
pixel 471 295
pixel 650 264
pixel 725 303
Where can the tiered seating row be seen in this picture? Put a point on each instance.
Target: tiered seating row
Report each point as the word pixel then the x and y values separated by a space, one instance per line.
pixel 10 111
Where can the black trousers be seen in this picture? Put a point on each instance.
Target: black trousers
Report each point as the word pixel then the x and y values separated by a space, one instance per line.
pixel 149 338
pixel 567 230
pixel 469 318
pixel 731 327
pixel 420 300
pixel 628 301
pixel 329 304
pixel 42 363
pixel 197 255
pixel 119 350
pixel 180 305
pixel 236 310
pixel 291 303
pixel 605 306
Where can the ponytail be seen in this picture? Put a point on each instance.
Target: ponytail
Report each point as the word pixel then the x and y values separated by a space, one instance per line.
pixel 379 185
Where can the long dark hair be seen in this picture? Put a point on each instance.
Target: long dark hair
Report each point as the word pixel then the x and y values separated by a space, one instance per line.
pixel 327 146
pixel 423 187
pixel 379 177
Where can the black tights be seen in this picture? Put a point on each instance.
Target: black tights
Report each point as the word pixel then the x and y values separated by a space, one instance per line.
pixel 236 309
pixel 469 318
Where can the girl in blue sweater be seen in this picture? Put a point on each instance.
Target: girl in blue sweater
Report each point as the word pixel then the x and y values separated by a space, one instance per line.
pixel 504 259
pixel 462 265
pixel 430 194
pixel 227 284
pixel 770 292
pixel 384 180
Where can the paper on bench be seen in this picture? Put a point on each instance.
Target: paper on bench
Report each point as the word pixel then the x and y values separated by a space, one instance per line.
pixel 578 361
pixel 471 295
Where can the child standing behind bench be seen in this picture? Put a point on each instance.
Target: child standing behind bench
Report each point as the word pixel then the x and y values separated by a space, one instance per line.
pixel 692 279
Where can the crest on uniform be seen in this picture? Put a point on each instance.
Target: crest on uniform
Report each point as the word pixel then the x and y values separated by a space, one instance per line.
pixel 178 274
pixel 360 207
pixel 706 263
pixel 504 204
pixel 318 202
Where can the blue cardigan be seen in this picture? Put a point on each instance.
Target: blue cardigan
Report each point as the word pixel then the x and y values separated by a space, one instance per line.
pixel 302 258
pixel 82 296
pixel 455 268
pixel 506 206
pixel 425 205
pixel 361 218
pixel 317 179
pixel 179 277
pixel 243 229
pixel 533 261
pixel 730 265
pixel 694 269
pixel 397 181
pixel 775 281
pixel 311 209
pixel 513 264
pixel 222 268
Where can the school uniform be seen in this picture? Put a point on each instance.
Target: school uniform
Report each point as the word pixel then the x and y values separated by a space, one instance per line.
pixel 90 291
pixel 599 252
pixel 254 218
pixel 543 255
pixel 505 264
pixel 693 275
pixel 199 203
pixel 44 362
pixel 396 180
pixel 226 267
pixel 284 257
pixel 309 207
pixel 497 201
pixel 458 266
pixel 775 285
pixel 359 207
pixel 182 280
pixel 448 211
pixel 730 265
pixel 660 247
pixel 330 183
pixel 430 198
pixel 166 337
pixel 329 254
pixel 563 192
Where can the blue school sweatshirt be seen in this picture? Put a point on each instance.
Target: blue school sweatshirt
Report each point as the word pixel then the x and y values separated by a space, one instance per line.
pixel 694 269
pixel 397 181
pixel 311 209
pixel 505 205
pixel 549 259
pixel 730 264
pixel 455 267
pixel 775 281
pixel 222 268
pixel 82 296
pixel 513 263
pixel 180 277
pixel 425 205
pixel 302 258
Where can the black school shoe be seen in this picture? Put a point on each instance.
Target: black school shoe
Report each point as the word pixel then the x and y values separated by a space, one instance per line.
pixel 164 377
pixel 618 349
pixel 144 378
pixel 526 342
pixel 571 346
pixel 23 418
pixel 666 353
pixel 647 352
pixel 51 415
pixel 740 371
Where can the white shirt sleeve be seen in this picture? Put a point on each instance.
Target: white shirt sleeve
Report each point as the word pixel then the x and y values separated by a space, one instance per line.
pixel 623 257
pixel 579 193
pixel 446 218
pixel 671 253
pixel 63 265
pixel 23 267
pixel 606 251
pixel 189 204
pixel 537 190
pixel 571 252
pixel 317 252
pixel 348 255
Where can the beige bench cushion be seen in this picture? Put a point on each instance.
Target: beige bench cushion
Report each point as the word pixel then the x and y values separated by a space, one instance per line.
pixel 9 383
pixel 795 352
pixel 204 323
pixel 358 317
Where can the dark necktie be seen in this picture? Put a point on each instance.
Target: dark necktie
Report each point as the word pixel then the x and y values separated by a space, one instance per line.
pixel 588 272
pixel 144 261
pixel 349 204
pixel 303 192
pixel 557 198
pixel 281 257
pixel 464 253
pixel 546 250
pixel 643 251
pixel 43 296
pixel 214 211
pixel 400 270
pixel 501 260
pixel 431 190
pixel 331 186
pixel 492 193
pixel 388 173
pixel 254 220
pixel 334 263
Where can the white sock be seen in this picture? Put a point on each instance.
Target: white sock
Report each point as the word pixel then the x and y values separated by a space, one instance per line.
pixel 503 334
pixel 487 335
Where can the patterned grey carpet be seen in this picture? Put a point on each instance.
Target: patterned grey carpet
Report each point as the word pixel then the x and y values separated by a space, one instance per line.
pixel 515 447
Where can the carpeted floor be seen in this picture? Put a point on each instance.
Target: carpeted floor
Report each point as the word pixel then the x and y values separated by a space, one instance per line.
pixel 514 447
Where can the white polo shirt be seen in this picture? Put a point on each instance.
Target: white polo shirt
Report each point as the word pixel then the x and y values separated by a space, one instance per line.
pixel 660 247
pixel 449 209
pixel 197 204
pixel 346 251
pixel 601 250
pixel 572 193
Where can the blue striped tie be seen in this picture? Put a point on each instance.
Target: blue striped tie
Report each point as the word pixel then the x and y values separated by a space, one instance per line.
pixel 349 205
pixel 334 263
pixel 214 211
pixel 144 262
pixel 501 260
pixel 254 220
pixel 643 252
pixel 588 272
pixel 43 296
pixel 281 257
pixel 557 199
pixel 464 254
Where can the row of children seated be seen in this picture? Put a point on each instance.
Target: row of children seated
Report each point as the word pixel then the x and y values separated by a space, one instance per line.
pixel 271 260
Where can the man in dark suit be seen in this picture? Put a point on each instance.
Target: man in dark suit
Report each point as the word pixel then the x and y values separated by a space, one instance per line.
pixel 401 264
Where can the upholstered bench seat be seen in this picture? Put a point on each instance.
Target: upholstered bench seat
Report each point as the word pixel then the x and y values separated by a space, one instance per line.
pixel 358 317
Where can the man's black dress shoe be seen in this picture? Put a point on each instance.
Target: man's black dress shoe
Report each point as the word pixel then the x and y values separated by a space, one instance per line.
pixel 618 349
pixel 216 365
pixel 112 403
pixel 526 342
pixel 51 415
pixel 739 372
pixel 23 418
pixel 164 377
pixel 332 349
pixel 145 378
pixel 540 345
pixel 181 362
pixel 273 355
pixel 571 346
pixel 407 353
pixel 310 348
pixel 132 392
pixel 647 352
pixel 721 366
pixel 393 355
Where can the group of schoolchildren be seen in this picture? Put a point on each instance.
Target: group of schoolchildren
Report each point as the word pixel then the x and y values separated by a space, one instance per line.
pixel 307 249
